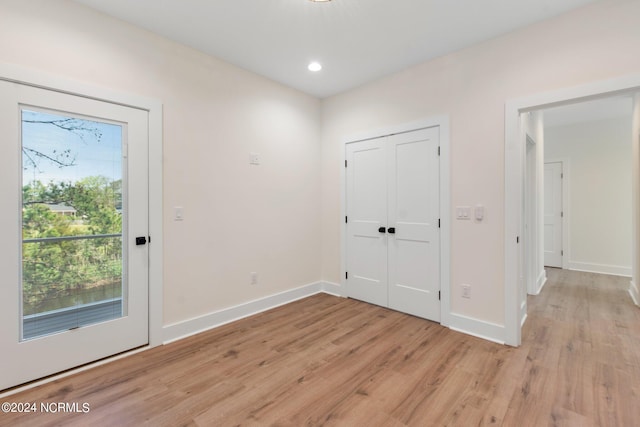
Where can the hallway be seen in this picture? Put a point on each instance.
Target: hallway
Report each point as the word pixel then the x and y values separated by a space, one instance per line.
pixel 582 340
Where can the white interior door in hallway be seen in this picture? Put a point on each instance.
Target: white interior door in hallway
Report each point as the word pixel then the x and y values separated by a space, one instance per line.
pixel 553 214
pixel 392 229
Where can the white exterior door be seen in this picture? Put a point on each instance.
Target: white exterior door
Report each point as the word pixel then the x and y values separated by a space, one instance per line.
pixel 553 214
pixel 393 238
pixel 74 276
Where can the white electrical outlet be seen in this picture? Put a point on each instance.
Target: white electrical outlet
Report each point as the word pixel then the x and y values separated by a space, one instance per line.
pixel 254 278
pixel 466 291
pixel 254 158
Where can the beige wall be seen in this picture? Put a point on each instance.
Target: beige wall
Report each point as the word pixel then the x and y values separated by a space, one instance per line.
pixel 238 218
pixel 599 185
pixel 471 86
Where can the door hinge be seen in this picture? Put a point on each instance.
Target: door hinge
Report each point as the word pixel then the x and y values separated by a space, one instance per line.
pixel 517 239
pixel 346 274
pixel 561 253
pixel 346 219
pixel 561 176
pixel 561 214
pixel 438 150
pixel 439 295
pixel 438 222
pixel 345 163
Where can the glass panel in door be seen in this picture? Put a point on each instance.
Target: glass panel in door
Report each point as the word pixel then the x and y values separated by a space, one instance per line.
pixel 72 210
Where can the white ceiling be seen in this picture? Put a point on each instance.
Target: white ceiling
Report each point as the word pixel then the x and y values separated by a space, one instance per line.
pixel 356 41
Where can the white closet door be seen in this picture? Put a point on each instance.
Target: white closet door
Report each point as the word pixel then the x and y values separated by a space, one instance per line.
pixel 393 236
pixel 367 213
pixel 413 210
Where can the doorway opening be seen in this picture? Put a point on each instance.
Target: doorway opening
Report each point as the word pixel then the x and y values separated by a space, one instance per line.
pixel 577 212
pixel 524 258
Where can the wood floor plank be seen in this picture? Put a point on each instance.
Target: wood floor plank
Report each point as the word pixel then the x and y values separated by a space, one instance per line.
pixel 329 361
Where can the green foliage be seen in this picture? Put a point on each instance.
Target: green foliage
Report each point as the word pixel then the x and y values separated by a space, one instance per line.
pixel 70 271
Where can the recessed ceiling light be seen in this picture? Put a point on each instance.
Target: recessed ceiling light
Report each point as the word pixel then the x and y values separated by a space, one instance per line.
pixel 315 66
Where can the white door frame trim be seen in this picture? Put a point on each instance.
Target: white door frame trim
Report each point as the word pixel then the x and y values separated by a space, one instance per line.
pixel 40 79
pixel 531 240
pixel 513 177
pixel 445 201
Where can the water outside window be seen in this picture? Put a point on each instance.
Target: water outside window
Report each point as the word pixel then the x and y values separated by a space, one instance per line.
pixel 72 222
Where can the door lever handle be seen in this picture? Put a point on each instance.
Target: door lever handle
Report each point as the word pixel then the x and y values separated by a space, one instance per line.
pixel 391 230
pixel 381 230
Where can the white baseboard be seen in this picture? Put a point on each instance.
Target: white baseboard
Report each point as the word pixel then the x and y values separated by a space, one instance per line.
pixel 332 289
pixel 523 311
pixel 186 328
pixel 634 292
pixel 477 328
pixel 176 331
pixel 542 280
pixel 616 270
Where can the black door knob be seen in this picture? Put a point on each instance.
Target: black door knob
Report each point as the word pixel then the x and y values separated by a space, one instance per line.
pixel 391 230
pixel 381 230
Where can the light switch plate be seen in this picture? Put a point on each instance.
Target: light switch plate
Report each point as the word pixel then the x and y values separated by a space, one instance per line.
pixel 178 213
pixel 463 212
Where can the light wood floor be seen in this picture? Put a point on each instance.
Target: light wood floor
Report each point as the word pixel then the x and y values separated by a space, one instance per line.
pixel 331 361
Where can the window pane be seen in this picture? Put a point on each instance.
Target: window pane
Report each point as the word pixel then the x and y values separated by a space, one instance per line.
pixel 72 270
